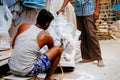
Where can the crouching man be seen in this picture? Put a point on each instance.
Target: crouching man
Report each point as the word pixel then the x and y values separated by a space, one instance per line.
pixel 26 60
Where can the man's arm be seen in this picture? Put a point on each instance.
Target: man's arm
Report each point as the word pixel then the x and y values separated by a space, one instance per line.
pixel 45 39
pixel 46 4
pixel 96 13
pixel 62 9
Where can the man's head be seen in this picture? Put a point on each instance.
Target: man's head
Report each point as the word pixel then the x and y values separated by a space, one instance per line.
pixel 44 18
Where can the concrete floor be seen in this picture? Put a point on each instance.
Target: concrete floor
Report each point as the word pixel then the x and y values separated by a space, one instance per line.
pixel 90 71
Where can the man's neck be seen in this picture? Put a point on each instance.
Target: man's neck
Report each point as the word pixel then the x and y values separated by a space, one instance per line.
pixel 37 25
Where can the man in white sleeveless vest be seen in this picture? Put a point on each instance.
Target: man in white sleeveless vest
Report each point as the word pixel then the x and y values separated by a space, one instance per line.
pixel 26 60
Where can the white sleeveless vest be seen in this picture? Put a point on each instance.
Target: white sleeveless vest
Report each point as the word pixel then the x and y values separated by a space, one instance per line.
pixel 25 51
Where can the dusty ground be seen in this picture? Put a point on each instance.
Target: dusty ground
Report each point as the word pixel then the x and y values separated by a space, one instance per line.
pixel 89 71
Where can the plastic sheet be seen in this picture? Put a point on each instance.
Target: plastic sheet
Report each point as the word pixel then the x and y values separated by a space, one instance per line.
pixel 61 29
pixel 5 23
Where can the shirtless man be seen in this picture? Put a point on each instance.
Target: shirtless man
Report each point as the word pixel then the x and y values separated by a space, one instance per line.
pixel 26 60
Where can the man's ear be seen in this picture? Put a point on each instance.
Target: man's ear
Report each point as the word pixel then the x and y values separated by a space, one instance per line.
pixel 47 24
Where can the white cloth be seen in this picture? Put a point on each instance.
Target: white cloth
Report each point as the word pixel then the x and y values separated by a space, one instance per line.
pixel 5 24
pixel 55 5
pixel 61 29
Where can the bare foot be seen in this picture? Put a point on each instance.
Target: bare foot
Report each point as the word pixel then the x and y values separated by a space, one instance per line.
pixel 86 60
pixel 100 63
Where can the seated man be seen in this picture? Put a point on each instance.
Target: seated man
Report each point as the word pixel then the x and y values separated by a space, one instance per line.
pixel 26 60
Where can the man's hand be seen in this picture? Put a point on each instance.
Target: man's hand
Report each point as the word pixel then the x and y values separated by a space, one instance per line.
pixel 61 11
pixel 96 15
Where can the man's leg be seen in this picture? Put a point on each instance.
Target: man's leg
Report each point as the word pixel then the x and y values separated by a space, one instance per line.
pixel 92 41
pixel 84 48
pixel 4 70
pixel 54 55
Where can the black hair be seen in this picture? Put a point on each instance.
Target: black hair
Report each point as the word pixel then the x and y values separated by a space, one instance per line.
pixel 44 17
